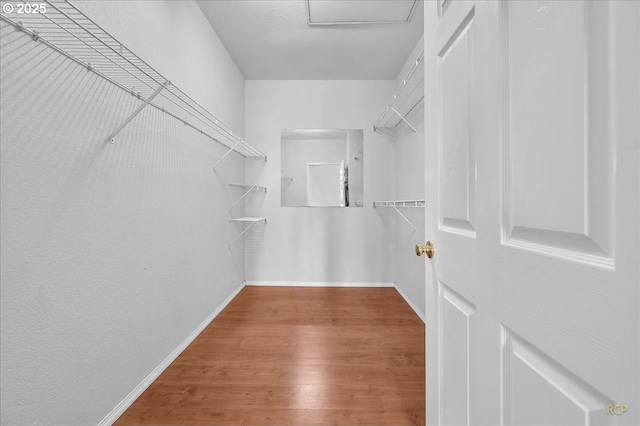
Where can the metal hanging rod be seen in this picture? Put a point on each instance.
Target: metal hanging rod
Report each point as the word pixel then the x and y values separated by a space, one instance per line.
pixel 405 100
pixel 68 31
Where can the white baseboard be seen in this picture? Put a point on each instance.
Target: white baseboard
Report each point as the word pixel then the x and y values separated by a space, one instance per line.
pixel 410 303
pixel 319 284
pixel 146 382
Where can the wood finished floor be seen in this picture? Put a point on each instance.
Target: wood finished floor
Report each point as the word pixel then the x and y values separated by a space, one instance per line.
pixel 296 355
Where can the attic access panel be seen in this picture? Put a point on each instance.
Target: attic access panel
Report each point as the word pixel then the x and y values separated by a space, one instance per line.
pixel 340 12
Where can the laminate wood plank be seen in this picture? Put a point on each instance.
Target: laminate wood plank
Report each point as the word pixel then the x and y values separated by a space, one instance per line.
pixel 285 375
pixel 296 355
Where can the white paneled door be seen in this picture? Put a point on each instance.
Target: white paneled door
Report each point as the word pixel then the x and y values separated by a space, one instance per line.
pixel 533 188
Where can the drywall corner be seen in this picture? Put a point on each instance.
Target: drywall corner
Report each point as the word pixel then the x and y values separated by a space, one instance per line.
pixel 413 306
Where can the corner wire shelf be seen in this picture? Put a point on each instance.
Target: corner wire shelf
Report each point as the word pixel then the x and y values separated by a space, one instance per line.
pixel 71 33
pixel 285 176
pixel 405 100
pixel 401 203
pixel 249 188
pixel 251 221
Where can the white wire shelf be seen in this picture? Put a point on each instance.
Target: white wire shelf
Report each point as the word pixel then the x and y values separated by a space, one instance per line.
pixel 249 188
pixel 358 203
pixel 67 30
pixel 285 176
pixel 405 100
pixel 251 221
pixel 401 203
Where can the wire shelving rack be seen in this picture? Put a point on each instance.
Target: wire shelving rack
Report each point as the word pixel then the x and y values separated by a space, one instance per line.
pixel 405 100
pixel 401 203
pixel 70 32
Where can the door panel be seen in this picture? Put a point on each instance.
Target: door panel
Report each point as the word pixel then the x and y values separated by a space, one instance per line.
pixel 533 380
pixel 443 6
pixel 557 170
pixel 458 178
pixel 533 203
pixel 454 324
pixel 558 282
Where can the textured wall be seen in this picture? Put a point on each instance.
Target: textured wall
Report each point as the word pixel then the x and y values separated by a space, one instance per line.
pixel 110 254
pixel 320 244
pixel 410 178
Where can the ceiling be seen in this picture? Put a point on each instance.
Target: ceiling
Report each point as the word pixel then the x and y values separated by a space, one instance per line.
pixel 271 39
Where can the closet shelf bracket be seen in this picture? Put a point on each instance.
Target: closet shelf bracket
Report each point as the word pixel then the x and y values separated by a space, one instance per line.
pixel 401 203
pixel 69 32
pixel 112 136
pixel 403 119
pixel 405 100
pixel 404 217
pixel 233 148
pixel 252 221
pixel 248 190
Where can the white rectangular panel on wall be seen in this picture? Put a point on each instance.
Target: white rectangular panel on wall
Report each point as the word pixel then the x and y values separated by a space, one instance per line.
pixel 558 143
pixel 454 322
pixel 457 177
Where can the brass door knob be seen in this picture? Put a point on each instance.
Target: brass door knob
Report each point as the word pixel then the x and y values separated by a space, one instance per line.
pixel 428 248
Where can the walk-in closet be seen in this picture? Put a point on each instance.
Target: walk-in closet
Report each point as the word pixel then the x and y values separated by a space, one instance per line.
pixel 271 212
pixel 151 179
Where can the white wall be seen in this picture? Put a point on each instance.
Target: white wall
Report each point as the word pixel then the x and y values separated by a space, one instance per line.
pixel 409 185
pixel 316 244
pixel 110 254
